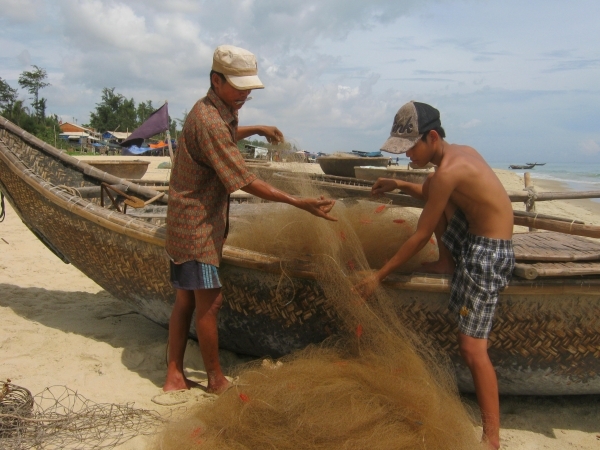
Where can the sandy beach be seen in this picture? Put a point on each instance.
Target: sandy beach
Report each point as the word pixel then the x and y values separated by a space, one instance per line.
pixel 60 328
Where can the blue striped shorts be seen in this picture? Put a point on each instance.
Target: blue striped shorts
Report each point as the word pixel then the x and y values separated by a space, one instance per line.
pixel 484 267
pixel 193 275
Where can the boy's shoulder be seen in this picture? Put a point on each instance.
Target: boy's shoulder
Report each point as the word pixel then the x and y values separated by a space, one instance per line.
pixel 463 156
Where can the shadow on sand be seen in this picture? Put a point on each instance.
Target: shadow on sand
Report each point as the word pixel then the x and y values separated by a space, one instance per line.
pixel 103 318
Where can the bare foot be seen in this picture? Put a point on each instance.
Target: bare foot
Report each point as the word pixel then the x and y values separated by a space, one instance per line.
pixel 440 266
pixel 489 445
pixel 178 381
pixel 218 386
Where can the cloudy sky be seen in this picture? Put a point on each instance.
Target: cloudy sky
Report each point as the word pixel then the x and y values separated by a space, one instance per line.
pixel 517 80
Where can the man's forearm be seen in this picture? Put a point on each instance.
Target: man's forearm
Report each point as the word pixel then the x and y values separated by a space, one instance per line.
pixel 244 132
pixel 267 192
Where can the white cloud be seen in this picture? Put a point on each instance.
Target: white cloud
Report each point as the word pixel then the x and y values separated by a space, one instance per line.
pixel 589 147
pixel 471 123
pixel 24 58
pixel 22 10
pixel 335 71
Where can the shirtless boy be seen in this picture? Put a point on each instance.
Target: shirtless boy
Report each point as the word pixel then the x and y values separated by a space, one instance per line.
pixel 468 208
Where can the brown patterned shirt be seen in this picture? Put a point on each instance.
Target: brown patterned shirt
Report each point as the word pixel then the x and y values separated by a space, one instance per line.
pixel 207 168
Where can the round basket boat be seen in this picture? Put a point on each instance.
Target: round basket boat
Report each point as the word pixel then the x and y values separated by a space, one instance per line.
pixel 343 166
pixel 546 334
pixel 130 170
pixel 373 173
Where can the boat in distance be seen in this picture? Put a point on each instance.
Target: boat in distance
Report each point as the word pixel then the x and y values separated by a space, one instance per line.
pixel 516 166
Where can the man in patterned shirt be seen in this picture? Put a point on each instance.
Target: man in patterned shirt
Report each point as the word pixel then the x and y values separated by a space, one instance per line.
pixel 207 168
pixel 468 209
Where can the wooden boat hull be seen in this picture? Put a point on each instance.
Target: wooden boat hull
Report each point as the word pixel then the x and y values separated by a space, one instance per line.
pixel 546 338
pixel 516 167
pixel 373 173
pixel 122 169
pixel 344 167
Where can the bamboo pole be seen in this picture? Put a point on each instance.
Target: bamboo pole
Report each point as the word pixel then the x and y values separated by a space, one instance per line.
pixel 525 271
pixel 543 216
pixel 562 227
pixel 169 139
pixel 529 272
pixel 522 196
pixel 530 202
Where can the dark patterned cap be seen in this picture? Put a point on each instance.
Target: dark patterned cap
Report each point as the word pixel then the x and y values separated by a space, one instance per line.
pixel 411 122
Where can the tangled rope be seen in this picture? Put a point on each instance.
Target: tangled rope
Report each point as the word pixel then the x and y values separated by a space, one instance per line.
pixel 60 418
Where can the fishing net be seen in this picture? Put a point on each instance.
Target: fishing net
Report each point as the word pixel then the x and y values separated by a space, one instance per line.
pixel 377 385
pixel 60 418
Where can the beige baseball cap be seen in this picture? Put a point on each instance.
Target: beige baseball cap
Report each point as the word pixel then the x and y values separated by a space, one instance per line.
pixel 239 67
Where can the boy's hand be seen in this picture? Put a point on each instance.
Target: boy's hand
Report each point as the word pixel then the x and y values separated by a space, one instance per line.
pixel 383 185
pixel 367 286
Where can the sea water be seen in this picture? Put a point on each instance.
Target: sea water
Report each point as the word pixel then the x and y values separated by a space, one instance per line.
pixel 575 176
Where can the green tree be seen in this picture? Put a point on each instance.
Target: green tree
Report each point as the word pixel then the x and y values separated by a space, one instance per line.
pixel 172 127
pixel 8 96
pixel 182 120
pixel 33 81
pixel 114 112
pixel 144 109
pixel 17 112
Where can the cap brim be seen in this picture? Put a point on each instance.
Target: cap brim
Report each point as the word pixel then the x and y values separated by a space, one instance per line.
pixel 398 145
pixel 245 83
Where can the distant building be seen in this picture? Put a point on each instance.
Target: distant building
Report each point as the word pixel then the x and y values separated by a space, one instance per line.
pixel 117 136
pixel 76 134
pixel 68 127
pixel 254 151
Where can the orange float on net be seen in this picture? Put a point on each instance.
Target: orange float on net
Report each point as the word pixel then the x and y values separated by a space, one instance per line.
pixel 398 220
pixel 244 398
pixel 379 208
pixel 342 236
pixel 366 221
pixel 359 330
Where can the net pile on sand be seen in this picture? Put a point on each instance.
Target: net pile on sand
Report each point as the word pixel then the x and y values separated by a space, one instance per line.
pixel 377 386
pixel 60 418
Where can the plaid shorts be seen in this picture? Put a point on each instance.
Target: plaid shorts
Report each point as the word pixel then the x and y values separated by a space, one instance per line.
pixel 484 267
pixel 192 275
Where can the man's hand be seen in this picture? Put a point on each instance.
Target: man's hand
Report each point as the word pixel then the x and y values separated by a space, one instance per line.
pixel 273 135
pixel 383 185
pixel 367 286
pixel 318 207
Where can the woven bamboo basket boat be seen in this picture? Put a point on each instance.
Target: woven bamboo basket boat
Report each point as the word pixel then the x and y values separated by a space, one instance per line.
pixel 122 169
pixel 546 338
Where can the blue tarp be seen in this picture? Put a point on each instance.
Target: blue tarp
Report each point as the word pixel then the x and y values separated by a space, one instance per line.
pixel 367 154
pixel 135 150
